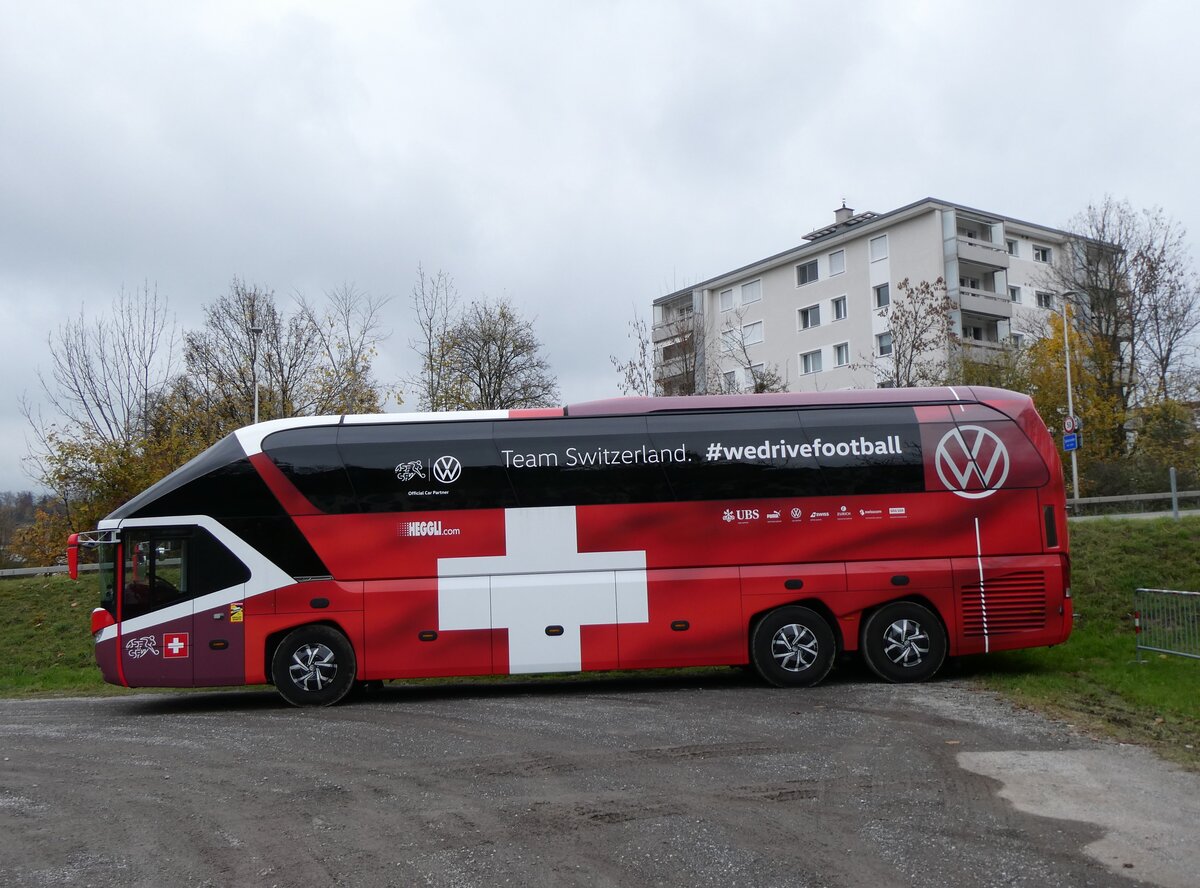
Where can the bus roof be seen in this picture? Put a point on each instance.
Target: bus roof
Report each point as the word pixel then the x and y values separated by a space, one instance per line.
pixel 251 437
pixel 850 397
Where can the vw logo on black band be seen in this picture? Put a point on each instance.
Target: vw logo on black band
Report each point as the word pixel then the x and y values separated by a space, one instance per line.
pixel 446 469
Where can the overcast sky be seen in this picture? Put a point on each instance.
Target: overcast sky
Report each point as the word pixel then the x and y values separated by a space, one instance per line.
pixel 580 158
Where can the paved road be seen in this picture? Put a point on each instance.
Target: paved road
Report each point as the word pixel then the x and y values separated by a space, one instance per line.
pixel 707 780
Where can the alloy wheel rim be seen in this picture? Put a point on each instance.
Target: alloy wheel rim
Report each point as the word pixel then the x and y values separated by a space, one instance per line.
pixel 794 647
pixel 313 667
pixel 905 643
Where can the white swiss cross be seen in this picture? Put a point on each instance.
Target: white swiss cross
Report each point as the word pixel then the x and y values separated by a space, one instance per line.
pixel 175 645
pixel 542 580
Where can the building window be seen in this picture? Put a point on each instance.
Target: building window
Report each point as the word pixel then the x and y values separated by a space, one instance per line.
pixel 879 248
pixel 810 317
pixel 837 262
pixel 753 372
pixel 810 362
pixel 806 273
pixel 883 344
pixel 730 380
pixel 1045 300
pixel 839 308
pixel 1011 245
pixel 751 292
pixel 752 334
pixel 841 354
pixel 1041 254
pixel 1014 294
pixel 883 295
pixel 726 300
pixel 1018 339
pixel 969 283
pixel 971 332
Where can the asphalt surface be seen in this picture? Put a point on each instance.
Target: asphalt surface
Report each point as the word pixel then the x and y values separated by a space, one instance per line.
pixel 709 780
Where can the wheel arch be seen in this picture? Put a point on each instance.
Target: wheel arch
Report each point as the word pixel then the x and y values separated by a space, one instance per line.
pixel 914 598
pixel 272 642
pixel 813 604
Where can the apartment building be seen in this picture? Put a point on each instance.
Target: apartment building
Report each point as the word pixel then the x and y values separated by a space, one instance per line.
pixel 818 313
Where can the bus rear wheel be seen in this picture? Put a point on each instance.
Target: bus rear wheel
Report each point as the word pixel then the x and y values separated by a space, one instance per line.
pixel 904 642
pixel 314 666
pixel 792 647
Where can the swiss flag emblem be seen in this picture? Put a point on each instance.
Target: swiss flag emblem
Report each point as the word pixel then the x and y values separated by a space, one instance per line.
pixel 175 645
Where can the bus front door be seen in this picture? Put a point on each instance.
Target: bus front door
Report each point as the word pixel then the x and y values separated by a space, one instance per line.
pixel 156 612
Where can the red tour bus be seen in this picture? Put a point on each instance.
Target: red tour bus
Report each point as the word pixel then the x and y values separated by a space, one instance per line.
pixel 774 530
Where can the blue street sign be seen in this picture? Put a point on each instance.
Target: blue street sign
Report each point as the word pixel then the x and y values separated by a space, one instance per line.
pixel 1071 442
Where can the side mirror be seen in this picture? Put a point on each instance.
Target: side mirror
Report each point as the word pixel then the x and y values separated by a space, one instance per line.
pixel 73 556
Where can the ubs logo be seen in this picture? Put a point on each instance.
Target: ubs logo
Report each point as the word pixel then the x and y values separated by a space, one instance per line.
pixel 972 452
pixel 446 469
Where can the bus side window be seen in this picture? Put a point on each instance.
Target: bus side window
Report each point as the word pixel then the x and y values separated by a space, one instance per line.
pixel 309 458
pixel 584 461
pixel 155 573
pixel 213 567
pixel 424 466
pixel 730 456
pixel 164 567
pixel 865 450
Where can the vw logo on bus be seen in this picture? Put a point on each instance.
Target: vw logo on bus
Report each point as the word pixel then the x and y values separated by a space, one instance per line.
pixel 446 469
pixel 971 451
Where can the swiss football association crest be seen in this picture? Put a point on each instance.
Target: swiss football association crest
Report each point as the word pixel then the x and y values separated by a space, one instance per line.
pixel 972 461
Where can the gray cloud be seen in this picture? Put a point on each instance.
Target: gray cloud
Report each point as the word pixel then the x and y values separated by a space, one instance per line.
pixel 580 158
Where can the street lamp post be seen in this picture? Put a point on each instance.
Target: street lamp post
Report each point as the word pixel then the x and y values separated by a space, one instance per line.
pixel 1070 395
pixel 255 332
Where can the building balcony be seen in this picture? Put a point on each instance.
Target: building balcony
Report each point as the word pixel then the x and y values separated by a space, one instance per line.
pixel 982 252
pixel 983 302
pixel 663 332
pixel 983 346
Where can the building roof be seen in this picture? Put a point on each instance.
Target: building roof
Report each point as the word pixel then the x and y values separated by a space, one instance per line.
pixel 823 238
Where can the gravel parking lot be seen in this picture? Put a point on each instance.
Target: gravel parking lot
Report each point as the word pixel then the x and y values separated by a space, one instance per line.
pixel 699 780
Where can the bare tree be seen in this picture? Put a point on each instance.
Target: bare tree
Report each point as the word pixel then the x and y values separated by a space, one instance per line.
pixel 105 372
pixel 679 368
pixel 108 374
pixel 922 337
pixel 436 307
pixel 496 359
pixel 348 330
pixel 749 376
pixel 310 362
pixel 1134 300
pixel 637 373
pixel 1170 290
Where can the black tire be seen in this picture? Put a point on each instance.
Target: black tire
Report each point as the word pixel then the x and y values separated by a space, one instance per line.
pixel 904 642
pixel 792 647
pixel 314 666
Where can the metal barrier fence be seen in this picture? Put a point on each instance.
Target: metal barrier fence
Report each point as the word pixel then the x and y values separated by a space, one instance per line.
pixel 1167 622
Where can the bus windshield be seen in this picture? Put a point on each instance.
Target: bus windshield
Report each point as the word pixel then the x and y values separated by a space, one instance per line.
pixel 106 554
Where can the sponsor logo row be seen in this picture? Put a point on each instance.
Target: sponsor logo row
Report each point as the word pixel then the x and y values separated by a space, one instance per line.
pixel 797 514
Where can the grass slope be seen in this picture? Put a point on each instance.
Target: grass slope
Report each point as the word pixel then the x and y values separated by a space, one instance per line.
pixel 46 636
pixel 1092 681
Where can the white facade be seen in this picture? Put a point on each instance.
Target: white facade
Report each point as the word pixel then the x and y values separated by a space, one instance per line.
pixel 813 311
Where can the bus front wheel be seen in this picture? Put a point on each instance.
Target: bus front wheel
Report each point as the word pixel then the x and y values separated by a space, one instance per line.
pixel 314 666
pixel 904 642
pixel 792 647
